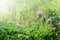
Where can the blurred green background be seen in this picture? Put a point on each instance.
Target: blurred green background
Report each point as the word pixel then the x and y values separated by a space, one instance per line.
pixel 19 10
pixel 20 21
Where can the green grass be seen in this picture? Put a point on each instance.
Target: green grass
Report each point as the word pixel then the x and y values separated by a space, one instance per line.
pixel 25 25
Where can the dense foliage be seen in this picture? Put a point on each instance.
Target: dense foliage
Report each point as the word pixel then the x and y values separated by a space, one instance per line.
pixel 34 21
pixel 44 27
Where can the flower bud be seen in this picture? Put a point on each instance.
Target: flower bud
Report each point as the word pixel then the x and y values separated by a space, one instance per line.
pixel 39 13
pixel 49 21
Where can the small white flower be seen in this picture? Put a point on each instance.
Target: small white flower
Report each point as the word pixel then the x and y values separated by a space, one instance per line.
pixel 19 35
